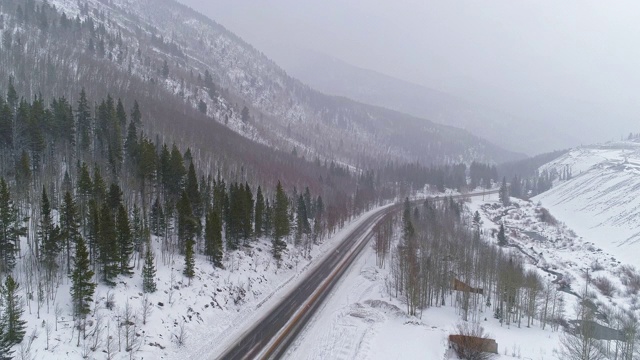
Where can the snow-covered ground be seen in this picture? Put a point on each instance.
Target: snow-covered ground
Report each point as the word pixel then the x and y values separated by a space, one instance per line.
pixel 360 320
pixel 600 201
pixel 213 310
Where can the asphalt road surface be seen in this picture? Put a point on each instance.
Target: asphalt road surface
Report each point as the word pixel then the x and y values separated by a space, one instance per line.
pixel 270 337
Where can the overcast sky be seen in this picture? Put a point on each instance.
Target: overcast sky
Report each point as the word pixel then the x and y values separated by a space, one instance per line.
pixel 571 62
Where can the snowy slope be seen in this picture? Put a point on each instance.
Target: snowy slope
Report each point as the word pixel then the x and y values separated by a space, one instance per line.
pixel 283 112
pixel 600 200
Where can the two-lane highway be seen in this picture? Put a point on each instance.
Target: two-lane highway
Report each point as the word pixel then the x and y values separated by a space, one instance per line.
pixel 270 337
pixel 254 342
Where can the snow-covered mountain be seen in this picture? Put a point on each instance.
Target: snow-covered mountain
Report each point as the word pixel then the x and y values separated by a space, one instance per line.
pixel 600 199
pixel 161 48
pixel 334 76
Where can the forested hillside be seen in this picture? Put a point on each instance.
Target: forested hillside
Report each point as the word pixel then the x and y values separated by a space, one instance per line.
pixel 159 50
pixel 125 160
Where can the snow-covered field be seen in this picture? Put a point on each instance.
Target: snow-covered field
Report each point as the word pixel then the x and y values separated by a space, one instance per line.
pixel 360 320
pixel 211 312
pixel 600 201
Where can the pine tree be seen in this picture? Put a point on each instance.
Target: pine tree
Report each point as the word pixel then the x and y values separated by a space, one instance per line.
pixel 280 222
pixel 477 221
pixel 213 238
pixel 131 143
pixel 125 240
pixel 6 353
pixel 99 187
pixel 6 121
pixel 408 230
pixel 504 193
pixel 165 69
pixel 247 212
pixel 302 221
pixel 157 218
pixel 47 235
pixel 189 259
pixel 149 271
pixel 114 197
pixel 502 238
pixel 245 115
pixel 108 245
pixel 69 225
pixel 136 115
pixel 186 233
pixel 10 229
pixel 193 191
pixel 82 287
pixel 139 231
pixel 175 172
pixel 23 175
pixel 83 114
pixel 11 321
pixel 259 213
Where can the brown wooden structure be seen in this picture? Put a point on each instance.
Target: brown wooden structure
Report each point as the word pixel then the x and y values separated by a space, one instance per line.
pixel 460 286
pixel 474 343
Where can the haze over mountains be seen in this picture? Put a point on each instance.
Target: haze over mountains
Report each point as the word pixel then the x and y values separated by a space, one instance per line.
pixel 333 76
pixel 542 67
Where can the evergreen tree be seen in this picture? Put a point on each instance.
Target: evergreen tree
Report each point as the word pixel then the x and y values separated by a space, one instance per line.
pixel 165 69
pixel 114 197
pixel 149 271
pixel 186 234
pixel 302 221
pixel 69 225
pixel 247 212
pixel 125 240
pixel 189 259
pixel 175 172
pixel 319 207
pixel 83 114
pixel 477 221
pixel 47 235
pixel 408 230
pixel 121 115
pixel 259 213
pixel 99 186
pixel 280 223
pixel 136 115
pixel 213 238
pixel 502 238
pixel 157 218
pixel 193 191
pixel 10 229
pixel 82 287
pixel 139 231
pixel 6 126
pixel 131 143
pixel 6 353
pixel 108 245
pixel 23 175
pixel 308 203
pixel 245 115
pixel 268 219
pixel 504 193
pixel 11 320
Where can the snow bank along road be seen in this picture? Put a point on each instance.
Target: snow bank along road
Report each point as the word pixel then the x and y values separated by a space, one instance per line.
pixel 271 336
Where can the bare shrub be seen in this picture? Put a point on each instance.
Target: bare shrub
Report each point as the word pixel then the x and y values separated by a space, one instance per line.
pixel 180 336
pixel 606 287
pixel 596 266
pixel 472 342
pixel 630 278
pixel 545 216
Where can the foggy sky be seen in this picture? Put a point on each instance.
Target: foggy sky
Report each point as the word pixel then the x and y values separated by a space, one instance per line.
pixel 573 63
